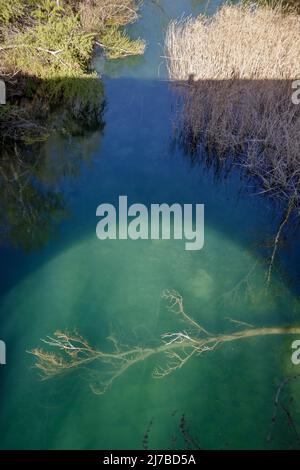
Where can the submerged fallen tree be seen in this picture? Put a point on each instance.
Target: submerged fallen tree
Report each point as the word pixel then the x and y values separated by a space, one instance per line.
pixel 235 73
pixel 70 352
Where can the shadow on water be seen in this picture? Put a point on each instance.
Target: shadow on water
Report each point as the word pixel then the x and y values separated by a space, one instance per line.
pixel 56 186
pixel 36 180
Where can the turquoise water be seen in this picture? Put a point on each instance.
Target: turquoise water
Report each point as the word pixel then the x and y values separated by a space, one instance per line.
pixel 74 281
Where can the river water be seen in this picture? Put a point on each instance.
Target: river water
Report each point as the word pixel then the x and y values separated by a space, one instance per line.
pixel 71 280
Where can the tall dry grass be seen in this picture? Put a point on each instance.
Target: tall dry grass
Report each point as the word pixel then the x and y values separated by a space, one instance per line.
pixel 239 42
pixel 235 72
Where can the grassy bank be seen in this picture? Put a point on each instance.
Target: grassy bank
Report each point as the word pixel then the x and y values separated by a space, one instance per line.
pixel 235 72
pixel 45 51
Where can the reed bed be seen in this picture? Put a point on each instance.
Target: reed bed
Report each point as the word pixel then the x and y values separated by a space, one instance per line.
pixel 235 73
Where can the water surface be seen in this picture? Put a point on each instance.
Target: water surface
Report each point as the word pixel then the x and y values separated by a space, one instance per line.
pixel 75 281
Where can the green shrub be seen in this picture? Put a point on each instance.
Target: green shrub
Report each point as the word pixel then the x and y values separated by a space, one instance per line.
pixel 11 10
pixel 54 48
pixel 46 46
pixel 117 43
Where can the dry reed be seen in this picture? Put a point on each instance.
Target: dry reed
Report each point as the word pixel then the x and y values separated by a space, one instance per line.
pixel 235 72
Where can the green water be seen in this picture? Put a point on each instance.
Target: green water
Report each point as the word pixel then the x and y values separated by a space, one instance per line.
pixel 74 281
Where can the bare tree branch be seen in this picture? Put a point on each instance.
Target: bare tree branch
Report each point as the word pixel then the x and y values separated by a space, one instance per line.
pixel 70 351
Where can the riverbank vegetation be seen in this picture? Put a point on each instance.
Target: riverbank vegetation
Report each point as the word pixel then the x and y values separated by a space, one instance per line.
pixel 287 5
pixel 46 48
pixel 236 73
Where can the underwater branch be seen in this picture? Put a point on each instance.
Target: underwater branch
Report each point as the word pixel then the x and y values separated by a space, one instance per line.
pixel 70 351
